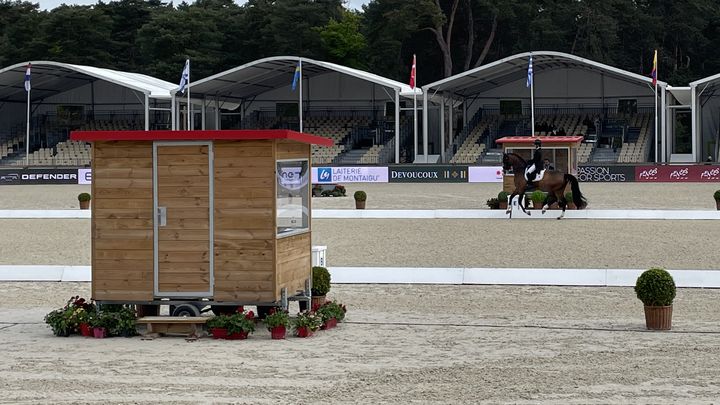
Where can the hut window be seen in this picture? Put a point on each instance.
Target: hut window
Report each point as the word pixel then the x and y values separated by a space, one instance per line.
pixel 293 196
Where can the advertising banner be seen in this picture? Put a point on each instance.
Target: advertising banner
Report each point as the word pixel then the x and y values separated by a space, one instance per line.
pixel 485 174
pixel 364 174
pixel 428 174
pixel 22 176
pixel 678 173
pixel 84 176
pixel 610 174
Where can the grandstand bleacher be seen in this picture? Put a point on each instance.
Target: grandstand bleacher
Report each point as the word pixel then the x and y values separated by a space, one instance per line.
pixel 598 147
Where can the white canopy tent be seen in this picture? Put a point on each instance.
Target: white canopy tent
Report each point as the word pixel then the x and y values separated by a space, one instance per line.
pixel 265 83
pixel 561 81
pixel 705 107
pixel 51 80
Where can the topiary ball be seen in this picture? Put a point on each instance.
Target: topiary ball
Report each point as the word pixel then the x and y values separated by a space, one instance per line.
pixel 320 281
pixel 655 288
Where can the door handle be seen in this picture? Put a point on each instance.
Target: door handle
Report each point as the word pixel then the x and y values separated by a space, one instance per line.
pixel 162 216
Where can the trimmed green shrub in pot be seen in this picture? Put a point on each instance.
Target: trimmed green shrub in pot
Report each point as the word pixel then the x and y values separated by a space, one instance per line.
pixel 84 199
pixel 537 197
pixel 717 199
pixel 360 198
pixel 655 288
pixel 503 199
pixel 320 281
pixel 360 195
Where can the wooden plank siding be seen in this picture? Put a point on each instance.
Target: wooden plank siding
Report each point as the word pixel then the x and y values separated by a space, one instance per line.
pixel 244 221
pixel 122 225
pixel 292 150
pixel 293 263
pixel 175 164
pixel 250 263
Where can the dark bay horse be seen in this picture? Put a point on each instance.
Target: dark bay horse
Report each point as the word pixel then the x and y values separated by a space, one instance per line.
pixel 553 183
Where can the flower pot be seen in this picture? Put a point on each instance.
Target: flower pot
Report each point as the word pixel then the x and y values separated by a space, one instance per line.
pixel 658 318
pixel 237 336
pixel 218 333
pixel 316 301
pixel 360 205
pixel 99 333
pixel 86 330
pixel 329 324
pixel 304 332
pixel 503 205
pixel 84 205
pixel 277 332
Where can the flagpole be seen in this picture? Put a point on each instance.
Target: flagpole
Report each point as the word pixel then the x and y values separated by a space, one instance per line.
pixel 655 68
pixel 415 124
pixel 532 102
pixel 300 113
pixel 27 132
pixel 189 106
pixel 656 121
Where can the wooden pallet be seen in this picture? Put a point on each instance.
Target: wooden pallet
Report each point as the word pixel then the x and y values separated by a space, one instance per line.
pixel 191 326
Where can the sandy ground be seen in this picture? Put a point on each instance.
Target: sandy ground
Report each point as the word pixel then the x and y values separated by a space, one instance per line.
pixel 401 344
pixel 425 196
pixel 635 244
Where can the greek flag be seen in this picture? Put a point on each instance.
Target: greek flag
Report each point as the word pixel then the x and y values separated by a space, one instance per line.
pixel 530 74
pixel 27 78
pixel 185 78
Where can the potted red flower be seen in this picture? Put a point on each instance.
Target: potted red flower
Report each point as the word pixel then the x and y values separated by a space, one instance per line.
pixel 331 313
pixel 217 326
pixel 277 322
pixel 240 325
pixel 306 323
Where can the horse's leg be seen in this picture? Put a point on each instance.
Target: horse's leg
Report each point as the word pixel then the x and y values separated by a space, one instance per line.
pixel 562 202
pixel 549 200
pixel 508 211
pixel 523 201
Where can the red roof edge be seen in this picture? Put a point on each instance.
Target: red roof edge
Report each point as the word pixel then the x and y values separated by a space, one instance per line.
pixel 207 135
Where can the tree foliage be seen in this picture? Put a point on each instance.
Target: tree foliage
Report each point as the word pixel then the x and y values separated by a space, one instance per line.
pixel 448 36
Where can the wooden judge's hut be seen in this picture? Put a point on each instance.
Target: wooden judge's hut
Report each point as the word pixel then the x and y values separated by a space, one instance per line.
pixel 561 151
pixel 200 217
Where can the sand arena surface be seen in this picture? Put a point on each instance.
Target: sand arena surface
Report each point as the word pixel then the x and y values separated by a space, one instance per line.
pixel 401 344
pixel 632 244
pixel 423 344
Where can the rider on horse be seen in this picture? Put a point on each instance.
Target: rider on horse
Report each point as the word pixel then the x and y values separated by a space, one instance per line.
pixel 536 164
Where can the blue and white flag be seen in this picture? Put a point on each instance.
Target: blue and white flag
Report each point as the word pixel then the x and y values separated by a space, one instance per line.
pixel 529 74
pixel 185 78
pixel 27 78
pixel 296 76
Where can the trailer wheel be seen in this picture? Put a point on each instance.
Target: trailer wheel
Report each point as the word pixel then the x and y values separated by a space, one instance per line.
pixel 186 310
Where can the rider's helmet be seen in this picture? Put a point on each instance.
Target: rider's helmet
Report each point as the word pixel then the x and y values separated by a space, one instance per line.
pixel 537 143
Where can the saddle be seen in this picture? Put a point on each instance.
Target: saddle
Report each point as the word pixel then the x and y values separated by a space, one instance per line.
pixel 538 176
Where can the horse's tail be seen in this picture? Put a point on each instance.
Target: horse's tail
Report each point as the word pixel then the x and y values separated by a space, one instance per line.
pixel 578 199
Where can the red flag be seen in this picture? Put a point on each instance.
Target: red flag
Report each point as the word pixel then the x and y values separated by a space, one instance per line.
pixel 412 74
